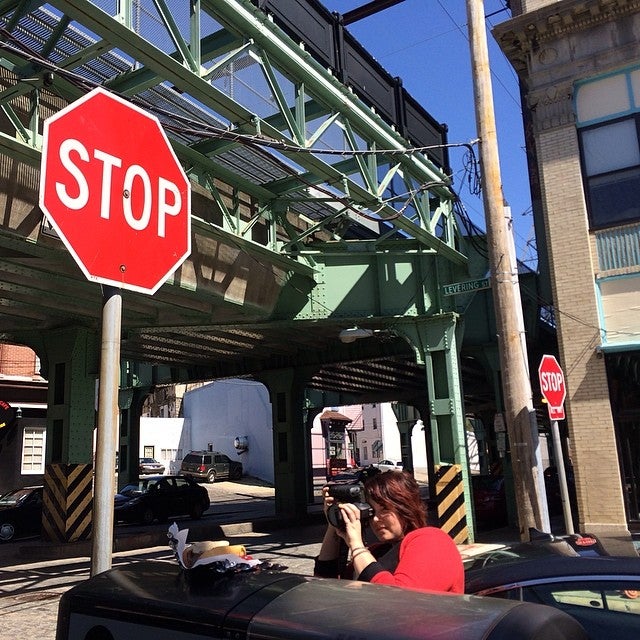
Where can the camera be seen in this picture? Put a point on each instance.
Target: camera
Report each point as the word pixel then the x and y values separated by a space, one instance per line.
pixel 353 493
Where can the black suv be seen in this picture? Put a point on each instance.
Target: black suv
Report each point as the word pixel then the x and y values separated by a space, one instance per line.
pixel 210 466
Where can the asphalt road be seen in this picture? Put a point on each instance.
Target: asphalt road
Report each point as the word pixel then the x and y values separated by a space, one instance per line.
pixel 242 512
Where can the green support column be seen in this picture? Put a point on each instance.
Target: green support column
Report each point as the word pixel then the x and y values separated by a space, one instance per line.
pixel 405 419
pixel 130 402
pixel 73 360
pixel 436 345
pixel 72 364
pixel 422 406
pixel 291 440
pixel 310 415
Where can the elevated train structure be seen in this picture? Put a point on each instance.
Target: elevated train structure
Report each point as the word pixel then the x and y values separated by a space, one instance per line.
pixel 321 201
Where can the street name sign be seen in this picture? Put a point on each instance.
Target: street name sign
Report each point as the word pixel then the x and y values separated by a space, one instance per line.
pixel 465 287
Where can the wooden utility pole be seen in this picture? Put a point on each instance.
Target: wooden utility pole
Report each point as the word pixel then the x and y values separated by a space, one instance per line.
pixel 516 386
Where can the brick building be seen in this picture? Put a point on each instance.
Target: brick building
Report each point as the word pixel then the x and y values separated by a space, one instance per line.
pixel 22 443
pixel 579 65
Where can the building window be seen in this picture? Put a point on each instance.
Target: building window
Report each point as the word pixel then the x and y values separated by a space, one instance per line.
pixel 33 450
pixel 608 121
pixel 611 163
pixel 375 423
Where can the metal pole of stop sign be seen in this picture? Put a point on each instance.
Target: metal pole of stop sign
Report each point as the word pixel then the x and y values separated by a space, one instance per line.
pixel 562 477
pixel 107 432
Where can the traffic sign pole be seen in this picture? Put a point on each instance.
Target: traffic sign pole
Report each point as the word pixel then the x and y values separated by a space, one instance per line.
pixel 107 431
pixel 562 478
pixel 116 194
pixel 552 386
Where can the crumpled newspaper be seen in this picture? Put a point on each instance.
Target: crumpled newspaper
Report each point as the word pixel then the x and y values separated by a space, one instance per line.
pixel 221 563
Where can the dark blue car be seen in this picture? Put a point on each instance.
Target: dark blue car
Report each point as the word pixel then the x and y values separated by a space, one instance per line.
pixel 21 513
pixel 573 574
pixel 160 497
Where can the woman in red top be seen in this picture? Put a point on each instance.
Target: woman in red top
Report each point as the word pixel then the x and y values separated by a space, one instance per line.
pixel 412 554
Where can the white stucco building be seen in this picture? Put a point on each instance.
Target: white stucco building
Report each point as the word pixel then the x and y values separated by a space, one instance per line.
pixel 214 416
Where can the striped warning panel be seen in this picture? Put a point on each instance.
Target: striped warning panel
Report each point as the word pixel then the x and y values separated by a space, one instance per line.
pixel 450 502
pixel 67 502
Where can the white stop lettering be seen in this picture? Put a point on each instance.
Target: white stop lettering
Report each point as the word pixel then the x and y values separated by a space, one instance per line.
pixel 75 193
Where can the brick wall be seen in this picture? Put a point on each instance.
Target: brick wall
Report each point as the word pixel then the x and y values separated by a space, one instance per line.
pixel 17 361
pixel 590 422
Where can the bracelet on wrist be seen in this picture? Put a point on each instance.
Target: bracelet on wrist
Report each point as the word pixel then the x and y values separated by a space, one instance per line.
pixel 358 551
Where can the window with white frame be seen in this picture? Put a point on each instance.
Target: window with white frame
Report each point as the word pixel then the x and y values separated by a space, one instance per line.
pixel 608 120
pixel 33 450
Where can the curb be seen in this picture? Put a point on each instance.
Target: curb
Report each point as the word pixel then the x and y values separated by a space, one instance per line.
pixel 128 542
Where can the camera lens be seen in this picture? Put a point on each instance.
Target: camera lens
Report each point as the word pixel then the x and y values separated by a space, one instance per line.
pixel 334 515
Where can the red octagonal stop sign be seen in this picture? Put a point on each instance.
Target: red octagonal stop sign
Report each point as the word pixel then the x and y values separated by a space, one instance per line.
pixel 115 192
pixel 552 386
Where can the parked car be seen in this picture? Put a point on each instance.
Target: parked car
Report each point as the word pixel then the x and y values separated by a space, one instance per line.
pixel 388 465
pixel 150 466
pixel 152 599
pixel 21 513
pixel 574 575
pixel 158 497
pixel 210 466
pixel 489 501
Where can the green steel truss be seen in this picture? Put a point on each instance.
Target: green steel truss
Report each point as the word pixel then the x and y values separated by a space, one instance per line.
pixel 279 143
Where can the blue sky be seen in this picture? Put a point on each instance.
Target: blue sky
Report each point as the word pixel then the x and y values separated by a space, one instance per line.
pixel 425 42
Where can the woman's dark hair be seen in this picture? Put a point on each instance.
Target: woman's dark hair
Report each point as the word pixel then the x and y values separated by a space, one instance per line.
pixel 398 491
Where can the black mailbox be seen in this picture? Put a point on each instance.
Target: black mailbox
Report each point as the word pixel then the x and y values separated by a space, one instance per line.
pixel 158 601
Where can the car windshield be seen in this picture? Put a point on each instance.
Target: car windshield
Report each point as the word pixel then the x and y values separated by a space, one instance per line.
pixel 147 461
pixel 15 497
pixel 137 489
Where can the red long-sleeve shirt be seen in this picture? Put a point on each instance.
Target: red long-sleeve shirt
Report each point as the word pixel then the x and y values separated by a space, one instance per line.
pixel 427 559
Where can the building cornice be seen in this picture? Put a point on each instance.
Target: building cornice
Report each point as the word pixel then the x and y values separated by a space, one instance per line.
pixel 527 33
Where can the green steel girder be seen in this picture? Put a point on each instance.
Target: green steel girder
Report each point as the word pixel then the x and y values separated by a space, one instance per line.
pixel 355 115
pixel 19 150
pixel 27 154
pixel 371 280
pixel 361 181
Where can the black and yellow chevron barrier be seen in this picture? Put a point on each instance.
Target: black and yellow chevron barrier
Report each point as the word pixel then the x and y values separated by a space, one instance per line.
pixel 450 502
pixel 67 502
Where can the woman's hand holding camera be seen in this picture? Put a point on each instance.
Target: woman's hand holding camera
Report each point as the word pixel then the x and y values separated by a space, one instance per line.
pixel 352 531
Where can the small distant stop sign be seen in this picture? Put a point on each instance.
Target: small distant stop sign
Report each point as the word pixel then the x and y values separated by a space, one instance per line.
pixel 552 386
pixel 115 192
